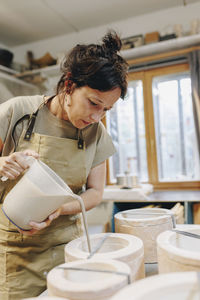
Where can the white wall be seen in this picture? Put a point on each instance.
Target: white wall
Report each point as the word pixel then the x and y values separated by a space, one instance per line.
pixel 4 46
pixel 161 21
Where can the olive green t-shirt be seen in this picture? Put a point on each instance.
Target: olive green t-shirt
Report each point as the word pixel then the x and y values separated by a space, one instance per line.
pixel 98 143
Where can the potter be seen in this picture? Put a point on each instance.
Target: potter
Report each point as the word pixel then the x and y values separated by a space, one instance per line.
pixel 65 132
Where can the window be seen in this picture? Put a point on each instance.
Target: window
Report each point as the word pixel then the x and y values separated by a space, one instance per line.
pixel 153 129
pixel 177 151
pixel 127 128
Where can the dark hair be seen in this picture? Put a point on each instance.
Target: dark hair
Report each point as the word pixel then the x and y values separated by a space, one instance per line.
pixel 96 65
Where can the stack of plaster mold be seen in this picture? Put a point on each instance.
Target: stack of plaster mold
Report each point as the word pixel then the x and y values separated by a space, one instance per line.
pixel 122 247
pixel 146 224
pixel 88 279
pixel 178 211
pixel 173 286
pixel 179 250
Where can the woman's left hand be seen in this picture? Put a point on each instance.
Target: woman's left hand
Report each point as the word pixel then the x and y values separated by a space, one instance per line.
pixel 39 226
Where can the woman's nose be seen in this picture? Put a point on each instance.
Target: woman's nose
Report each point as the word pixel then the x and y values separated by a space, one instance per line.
pixel 96 117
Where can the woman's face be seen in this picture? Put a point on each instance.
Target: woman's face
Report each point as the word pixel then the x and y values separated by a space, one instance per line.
pixel 86 106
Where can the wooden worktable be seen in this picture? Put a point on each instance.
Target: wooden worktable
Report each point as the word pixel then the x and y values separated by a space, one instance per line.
pixel 145 194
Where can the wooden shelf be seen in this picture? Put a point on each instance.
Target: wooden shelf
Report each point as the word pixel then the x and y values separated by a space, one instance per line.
pixel 47 71
pixel 161 47
pixel 7 70
pixel 10 74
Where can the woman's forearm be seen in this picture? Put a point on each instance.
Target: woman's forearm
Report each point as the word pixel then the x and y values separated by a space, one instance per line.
pixel 90 197
pixel 93 194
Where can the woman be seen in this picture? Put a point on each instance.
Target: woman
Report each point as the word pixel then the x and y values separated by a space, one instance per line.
pixel 65 132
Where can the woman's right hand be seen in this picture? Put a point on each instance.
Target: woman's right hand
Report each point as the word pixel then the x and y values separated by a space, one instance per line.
pixel 13 165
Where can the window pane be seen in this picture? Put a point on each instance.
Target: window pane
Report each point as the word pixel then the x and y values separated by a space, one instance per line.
pixel 177 152
pixel 125 123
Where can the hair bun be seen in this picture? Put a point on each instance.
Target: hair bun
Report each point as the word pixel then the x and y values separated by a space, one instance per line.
pixel 111 42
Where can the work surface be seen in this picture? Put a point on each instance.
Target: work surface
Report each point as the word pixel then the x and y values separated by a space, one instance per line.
pixel 146 194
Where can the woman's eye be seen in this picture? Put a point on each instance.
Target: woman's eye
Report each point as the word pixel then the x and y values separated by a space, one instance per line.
pixel 92 103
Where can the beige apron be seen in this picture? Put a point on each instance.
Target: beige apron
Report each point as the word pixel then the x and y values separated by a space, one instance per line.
pixel 26 260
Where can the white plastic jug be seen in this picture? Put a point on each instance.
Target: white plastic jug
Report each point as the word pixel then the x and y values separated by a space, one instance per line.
pixel 36 195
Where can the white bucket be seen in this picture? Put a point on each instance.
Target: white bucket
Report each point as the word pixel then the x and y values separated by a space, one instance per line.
pixel 88 279
pixel 147 224
pixel 123 247
pixel 36 195
pixel 177 252
pixel 173 286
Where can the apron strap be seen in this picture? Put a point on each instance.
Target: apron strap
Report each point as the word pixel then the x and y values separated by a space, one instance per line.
pixel 31 118
pixel 31 124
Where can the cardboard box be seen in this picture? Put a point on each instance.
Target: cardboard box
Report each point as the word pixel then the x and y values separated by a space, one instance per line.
pixel 152 37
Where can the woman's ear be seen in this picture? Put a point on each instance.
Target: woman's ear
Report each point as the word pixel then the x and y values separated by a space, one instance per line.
pixel 68 85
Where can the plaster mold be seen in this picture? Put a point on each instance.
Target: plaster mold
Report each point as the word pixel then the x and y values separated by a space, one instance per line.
pixel 177 252
pixel 92 279
pixel 173 286
pixel 146 224
pixel 123 247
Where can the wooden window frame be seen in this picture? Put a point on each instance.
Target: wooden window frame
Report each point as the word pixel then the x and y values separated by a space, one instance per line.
pixel 147 77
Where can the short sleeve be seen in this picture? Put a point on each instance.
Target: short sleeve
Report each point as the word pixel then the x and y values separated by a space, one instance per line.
pixel 10 112
pixel 6 112
pixel 104 147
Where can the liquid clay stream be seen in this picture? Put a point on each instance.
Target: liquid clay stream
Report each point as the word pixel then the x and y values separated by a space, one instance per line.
pixel 85 223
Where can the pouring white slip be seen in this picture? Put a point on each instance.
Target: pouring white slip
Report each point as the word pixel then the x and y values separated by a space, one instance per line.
pixel 173 286
pixel 178 252
pixel 38 194
pixel 147 224
pixel 88 279
pixel 123 247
